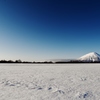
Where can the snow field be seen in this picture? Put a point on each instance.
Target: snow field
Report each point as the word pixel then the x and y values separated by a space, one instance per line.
pixel 50 82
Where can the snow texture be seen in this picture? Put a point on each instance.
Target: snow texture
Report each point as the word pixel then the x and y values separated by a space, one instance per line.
pixel 93 56
pixel 50 82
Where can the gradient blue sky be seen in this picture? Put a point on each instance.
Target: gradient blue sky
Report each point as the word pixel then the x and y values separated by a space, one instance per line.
pixel 36 30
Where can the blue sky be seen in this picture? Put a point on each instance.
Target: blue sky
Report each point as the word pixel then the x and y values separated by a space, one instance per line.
pixel 36 30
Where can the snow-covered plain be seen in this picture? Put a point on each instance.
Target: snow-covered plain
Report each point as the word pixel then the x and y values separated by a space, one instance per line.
pixel 50 82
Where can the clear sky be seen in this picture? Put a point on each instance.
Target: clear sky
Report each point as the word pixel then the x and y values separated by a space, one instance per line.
pixel 34 30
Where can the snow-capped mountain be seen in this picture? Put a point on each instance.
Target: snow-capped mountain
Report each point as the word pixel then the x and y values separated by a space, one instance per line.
pixel 90 57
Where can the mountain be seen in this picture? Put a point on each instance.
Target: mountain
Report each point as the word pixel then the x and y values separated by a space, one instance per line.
pixel 90 57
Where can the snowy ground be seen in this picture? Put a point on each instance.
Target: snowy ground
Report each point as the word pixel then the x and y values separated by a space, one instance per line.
pixel 50 82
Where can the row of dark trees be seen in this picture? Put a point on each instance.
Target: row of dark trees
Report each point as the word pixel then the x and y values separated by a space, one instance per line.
pixel 78 61
pixel 19 61
pixel 11 61
pixel 47 62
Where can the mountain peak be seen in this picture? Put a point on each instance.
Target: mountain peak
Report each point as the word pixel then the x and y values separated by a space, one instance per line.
pixel 90 57
pixel 92 53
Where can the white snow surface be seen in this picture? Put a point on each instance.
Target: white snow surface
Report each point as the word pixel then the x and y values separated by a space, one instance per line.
pixel 50 82
pixel 93 56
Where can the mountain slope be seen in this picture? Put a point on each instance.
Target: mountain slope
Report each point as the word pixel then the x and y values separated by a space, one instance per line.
pixel 90 57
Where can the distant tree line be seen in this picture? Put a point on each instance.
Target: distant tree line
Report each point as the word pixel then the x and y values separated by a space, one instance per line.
pixel 11 61
pixel 19 61
pixel 78 61
pixel 47 62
